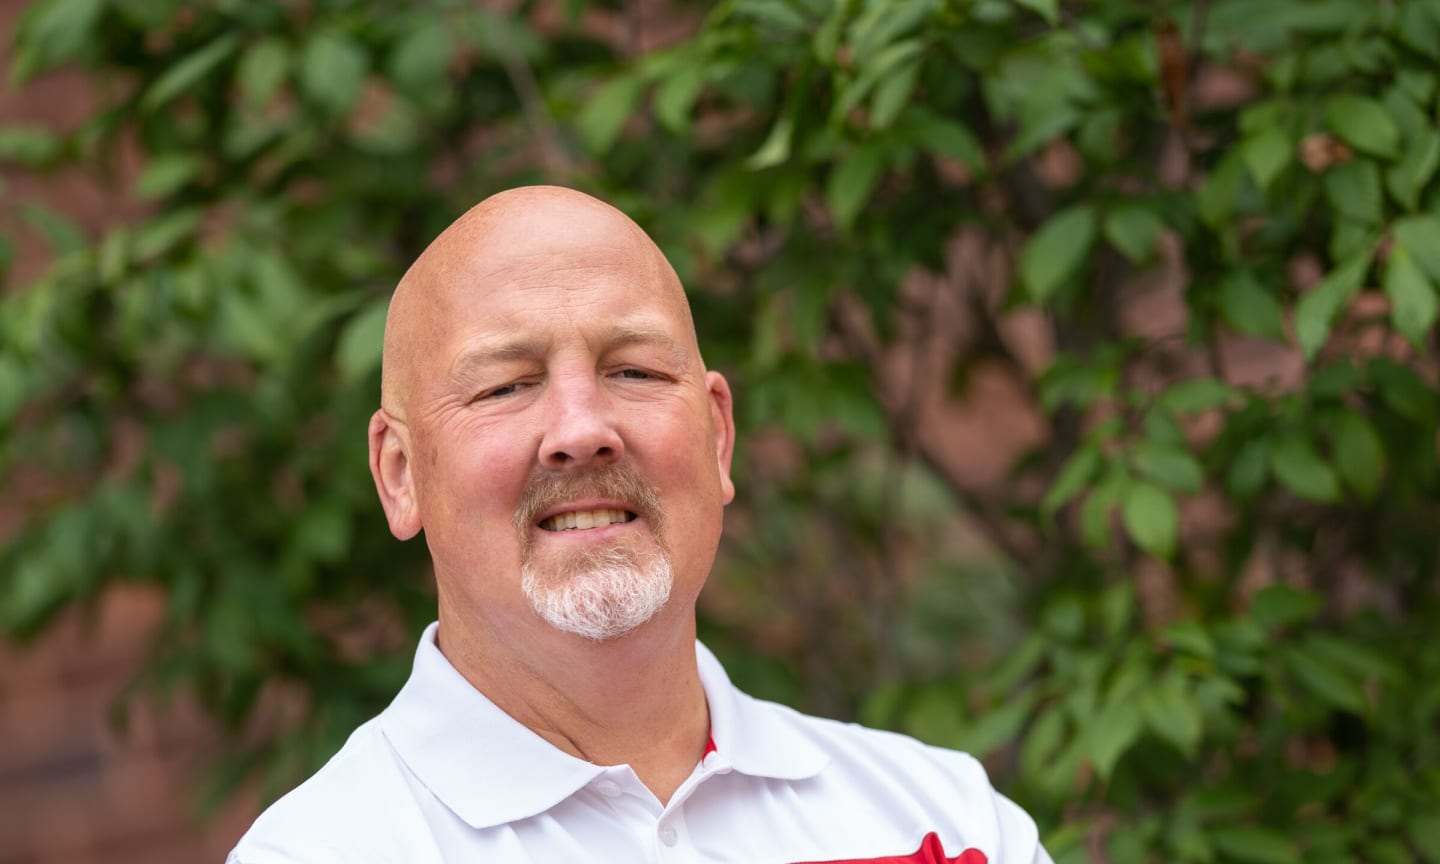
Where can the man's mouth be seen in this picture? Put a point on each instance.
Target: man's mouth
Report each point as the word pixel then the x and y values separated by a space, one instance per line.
pixel 580 520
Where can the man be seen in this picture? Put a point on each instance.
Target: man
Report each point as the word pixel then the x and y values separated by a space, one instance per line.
pixel 547 420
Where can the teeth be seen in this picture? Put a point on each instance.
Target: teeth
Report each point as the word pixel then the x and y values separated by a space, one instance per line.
pixel 580 520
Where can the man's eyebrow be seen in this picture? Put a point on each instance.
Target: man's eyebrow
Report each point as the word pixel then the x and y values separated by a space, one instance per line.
pixel 490 353
pixel 624 336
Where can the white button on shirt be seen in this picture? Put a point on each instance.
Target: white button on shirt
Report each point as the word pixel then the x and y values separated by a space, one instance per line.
pixel 442 774
pixel 608 789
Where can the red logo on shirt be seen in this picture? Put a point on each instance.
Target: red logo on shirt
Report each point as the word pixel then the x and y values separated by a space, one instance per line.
pixel 930 852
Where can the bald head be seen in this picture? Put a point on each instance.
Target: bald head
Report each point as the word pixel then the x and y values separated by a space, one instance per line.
pixel 524 237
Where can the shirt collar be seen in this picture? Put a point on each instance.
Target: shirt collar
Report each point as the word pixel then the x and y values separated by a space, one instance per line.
pixel 753 737
pixel 468 752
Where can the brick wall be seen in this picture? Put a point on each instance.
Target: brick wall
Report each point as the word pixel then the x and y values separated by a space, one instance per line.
pixel 74 788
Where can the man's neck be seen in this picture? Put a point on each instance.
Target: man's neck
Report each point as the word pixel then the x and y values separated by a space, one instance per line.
pixel 635 700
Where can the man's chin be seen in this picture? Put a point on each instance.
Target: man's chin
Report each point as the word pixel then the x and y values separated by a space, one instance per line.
pixel 603 601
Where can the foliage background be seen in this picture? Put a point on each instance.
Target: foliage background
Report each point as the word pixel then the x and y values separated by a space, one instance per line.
pixel 1199 243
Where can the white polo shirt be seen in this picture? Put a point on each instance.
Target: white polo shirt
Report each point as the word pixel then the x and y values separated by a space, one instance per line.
pixel 443 774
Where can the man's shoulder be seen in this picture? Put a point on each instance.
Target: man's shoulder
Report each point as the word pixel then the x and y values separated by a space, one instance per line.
pixel 912 786
pixel 854 747
pixel 336 813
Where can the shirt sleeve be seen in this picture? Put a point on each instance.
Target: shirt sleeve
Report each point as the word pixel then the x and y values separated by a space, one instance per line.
pixel 1019 838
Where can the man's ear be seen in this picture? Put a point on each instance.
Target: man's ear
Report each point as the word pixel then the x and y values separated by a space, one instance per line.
pixel 722 417
pixel 390 467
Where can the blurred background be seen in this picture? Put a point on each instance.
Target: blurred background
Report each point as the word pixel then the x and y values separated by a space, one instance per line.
pixel 1085 357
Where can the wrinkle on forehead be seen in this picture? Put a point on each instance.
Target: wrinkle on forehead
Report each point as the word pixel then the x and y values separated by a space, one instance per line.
pixel 529 235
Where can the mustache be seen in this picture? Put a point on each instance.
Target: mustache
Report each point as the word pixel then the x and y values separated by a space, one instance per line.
pixel 617 482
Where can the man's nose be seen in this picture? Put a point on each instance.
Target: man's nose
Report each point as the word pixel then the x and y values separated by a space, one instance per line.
pixel 579 429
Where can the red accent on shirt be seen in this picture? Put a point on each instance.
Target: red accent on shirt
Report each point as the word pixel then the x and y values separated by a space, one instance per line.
pixel 930 852
pixel 709 746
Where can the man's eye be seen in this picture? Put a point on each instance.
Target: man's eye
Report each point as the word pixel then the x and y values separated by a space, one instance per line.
pixel 636 374
pixel 498 392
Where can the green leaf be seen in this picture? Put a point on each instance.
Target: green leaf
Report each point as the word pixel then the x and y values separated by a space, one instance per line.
pixel 933 715
pixel 1354 190
pixel 166 174
pixel 357 353
pixel 162 234
pixel 892 57
pixel 1174 468
pixel 1095 514
pixel 1413 304
pixel 604 116
pixel 53 32
pixel 1421 235
pixel 1064 618
pixel 1044 740
pixel 1195 395
pixel 188 72
pixel 676 95
pixel 1359 453
pixel 1116 608
pixel 1133 229
pixel 1215 199
pixel 851 183
pixel 29 145
pixel 421 59
pixel 776 148
pixel 892 92
pixel 1249 468
pixel 1047 9
pixel 1424 831
pixel 332 70
pixel 1172 714
pixel 1057 250
pixel 323 533
pixel 1350 237
pixel 1082 465
pixel 1323 680
pixel 1190 636
pixel 1301 470
pixel 1251 843
pixel 1403 391
pixel 1018 666
pixel 1267 154
pixel 998 727
pixel 262 70
pixel 781 16
pixel 1364 124
pixel 946 137
pixel 61 233
pixel 1114 732
pixel 14 385
pixel 1408 177
pixel 1151 518
pixel 1160 427
pixel 1281 605
pixel 1354 657
pixel 1316 311
pixel 1388 850
pixel 1335 379
pixel 1250 309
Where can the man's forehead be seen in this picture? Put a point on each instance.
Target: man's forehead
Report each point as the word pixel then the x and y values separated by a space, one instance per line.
pixel 523 250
